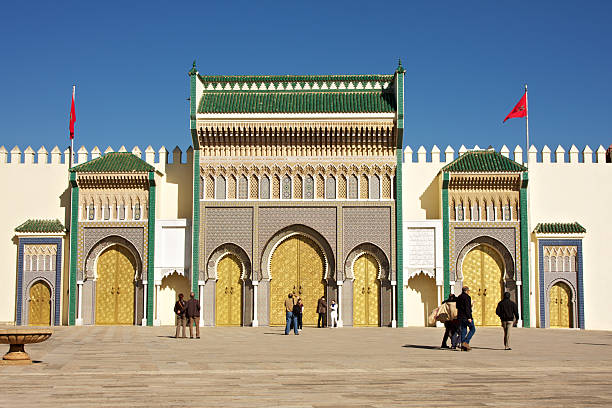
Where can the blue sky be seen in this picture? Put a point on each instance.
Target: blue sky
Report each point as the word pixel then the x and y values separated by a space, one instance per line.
pixel 466 65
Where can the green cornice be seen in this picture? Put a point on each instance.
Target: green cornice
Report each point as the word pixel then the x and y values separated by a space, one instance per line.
pixel 559 228
pixel 483 161
pixel 41 226
pixel 114 162
pixel 215 79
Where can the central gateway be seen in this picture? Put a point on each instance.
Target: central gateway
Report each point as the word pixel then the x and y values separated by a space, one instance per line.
pixel 297 267
pixel 482 268
pixel 115 287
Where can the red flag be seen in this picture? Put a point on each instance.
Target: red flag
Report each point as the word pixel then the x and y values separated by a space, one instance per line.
pixel 72 117
pixel 520 110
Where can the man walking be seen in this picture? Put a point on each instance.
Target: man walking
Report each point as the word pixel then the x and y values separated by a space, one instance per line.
pixel 464 315
pixel 451 326
pixel 193 315
pixel 291 317
pixel 179 309
pixel 507 311
pixel 322 311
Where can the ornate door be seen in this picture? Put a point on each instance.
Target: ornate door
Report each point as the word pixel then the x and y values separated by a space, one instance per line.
pixel 482 272
pixel 228 303
pixel 40 305
pixel 559 306
pixel 115 287
pixel 366 292
pixel 296 267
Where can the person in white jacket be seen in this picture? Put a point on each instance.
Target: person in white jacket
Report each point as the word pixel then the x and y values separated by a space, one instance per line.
pixel 334 314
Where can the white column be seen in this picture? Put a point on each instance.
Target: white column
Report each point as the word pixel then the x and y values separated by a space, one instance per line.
pixel 452 287
pixel 79 320
pixel 156 321
pixel 340 322
pixel 255 321
pixel 519 302
pixel 440 294
pixel 201 297
pixel 144 302
pixel 393 306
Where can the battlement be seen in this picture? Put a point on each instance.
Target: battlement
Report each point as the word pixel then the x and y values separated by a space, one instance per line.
pixel 61 158
pixel 535 156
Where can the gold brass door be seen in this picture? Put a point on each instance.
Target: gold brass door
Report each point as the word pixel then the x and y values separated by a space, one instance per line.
pixel 482 272
pixel 559 306
pixel 366 292
pixel 115 287
pixel 40 305
pixel 228 303
pixel 296 267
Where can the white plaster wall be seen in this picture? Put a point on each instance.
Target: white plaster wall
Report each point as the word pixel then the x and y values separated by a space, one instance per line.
pixel 30 191
pixel 568 192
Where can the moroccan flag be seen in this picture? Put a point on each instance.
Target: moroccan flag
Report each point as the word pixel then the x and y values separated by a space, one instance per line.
pixel 72 117
pixel 520 110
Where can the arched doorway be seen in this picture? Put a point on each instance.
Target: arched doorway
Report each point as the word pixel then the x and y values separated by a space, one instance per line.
pixel 560 305
pixel 297 266
pixel 228 292
pixel 483 271
pixel 115 286
pixel 366 292
pixel 40 304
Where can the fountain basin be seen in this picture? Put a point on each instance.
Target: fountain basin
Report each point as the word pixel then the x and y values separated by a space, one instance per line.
pixel 17 339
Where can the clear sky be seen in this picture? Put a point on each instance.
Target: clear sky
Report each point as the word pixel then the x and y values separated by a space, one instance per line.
pixel 466 65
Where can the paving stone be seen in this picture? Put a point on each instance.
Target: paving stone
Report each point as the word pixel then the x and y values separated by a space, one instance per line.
pixel 348 367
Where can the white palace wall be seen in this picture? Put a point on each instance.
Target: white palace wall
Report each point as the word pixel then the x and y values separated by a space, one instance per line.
pixel 36 187
pixel 570 186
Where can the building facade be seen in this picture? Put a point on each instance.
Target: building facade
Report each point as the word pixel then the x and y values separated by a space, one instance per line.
pixel 301 185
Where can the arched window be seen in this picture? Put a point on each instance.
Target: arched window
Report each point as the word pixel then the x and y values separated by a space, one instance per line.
pixel 491 212
pixel 309 187
pixel 264 188
pixel 330 188
pixel 475 212
pixel 34 263
pixel 546 264
pixel 28 263
pixel 560 263
pixel 375 187
pixel 286 188
pixel 364 186
pixel 553 264
pixel 122 211
pixel 91 212
pixel 243 188
pixel 572 264
pixel 137 210
pixel 220 188
pixel 460 216
pixel 106 211
pixel 566 264
pixel 353 189
pixel 53 262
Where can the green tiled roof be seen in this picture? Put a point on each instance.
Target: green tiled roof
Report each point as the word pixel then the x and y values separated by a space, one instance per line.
pixel 483 161
pixel 296 102
pixel 294 78
pixel 297 94
pixel 41 226
pixel 114 162
pixel 559 228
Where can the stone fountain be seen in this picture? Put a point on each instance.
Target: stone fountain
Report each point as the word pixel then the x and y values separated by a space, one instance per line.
pixel 17 339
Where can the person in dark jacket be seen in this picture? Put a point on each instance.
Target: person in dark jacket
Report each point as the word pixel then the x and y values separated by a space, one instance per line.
pixel 180 308
pixel 193 315
pixel 322 311
pixel 464 315
pixel 451 327
pixel 508 314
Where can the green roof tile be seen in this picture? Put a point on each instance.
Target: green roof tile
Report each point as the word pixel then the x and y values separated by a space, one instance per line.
pixel 41 226
pixel 559 228
pixel 114 162
pixel 296 102
pixel 483 161
pixel 294 78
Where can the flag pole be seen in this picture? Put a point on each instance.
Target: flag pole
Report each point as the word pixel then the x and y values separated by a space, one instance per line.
pixel 527 124
pixel 72 138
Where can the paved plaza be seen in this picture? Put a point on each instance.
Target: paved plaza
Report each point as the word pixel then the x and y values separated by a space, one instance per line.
pixel 348 367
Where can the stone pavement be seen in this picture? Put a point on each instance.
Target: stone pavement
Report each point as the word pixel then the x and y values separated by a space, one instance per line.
pixel 348 367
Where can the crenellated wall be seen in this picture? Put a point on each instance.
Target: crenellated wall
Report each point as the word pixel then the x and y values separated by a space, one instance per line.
pixel 35 185
pixel 565 185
